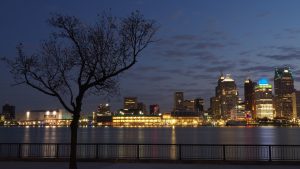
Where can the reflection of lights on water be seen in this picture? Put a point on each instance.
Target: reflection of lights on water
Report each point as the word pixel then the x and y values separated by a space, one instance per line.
pixel 173 141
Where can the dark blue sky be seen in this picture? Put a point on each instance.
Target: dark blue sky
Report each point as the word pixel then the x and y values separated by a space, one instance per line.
pixel 197 40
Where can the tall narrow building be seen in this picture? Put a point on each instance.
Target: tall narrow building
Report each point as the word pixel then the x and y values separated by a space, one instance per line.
pixel 284 87
pixel 249 86
pixel 225 103
pixel 263 100
pixel 199 106
pixel 296 104
pixel 178 101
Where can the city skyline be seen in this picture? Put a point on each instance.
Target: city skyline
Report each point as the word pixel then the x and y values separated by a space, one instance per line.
pixel 196 41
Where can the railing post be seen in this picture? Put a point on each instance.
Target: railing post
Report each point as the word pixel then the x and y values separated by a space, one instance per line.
pixel 179 151
pixel 20 150
pixel 138 152
pixel 224 153
pixel 270 153
pixel 57 150
pixel 97 153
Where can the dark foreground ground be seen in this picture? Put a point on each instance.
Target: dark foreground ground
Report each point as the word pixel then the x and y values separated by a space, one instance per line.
pixel 123 165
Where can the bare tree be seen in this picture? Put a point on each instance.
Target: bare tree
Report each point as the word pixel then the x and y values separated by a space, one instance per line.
pixel 79 59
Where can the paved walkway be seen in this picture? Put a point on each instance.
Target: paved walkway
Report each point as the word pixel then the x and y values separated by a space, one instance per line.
pixel 121 165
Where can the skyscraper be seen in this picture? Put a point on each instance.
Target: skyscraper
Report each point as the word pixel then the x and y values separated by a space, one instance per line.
pixel 263 100
pixel 9 112
pixel 215 107
pixel 141 107
pixel 296 104
pixel 178 101
pixel 284 87
pixel 130 103
pixel 154 109
pixel 249 86
pixel 199 106
pixel 226 99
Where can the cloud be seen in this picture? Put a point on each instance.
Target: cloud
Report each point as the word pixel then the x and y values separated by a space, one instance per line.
pixel 258 69
pixel 208 45
pixel 204 76
pixel 181 72
pixel 176 15
pixel 282 53
pixel 220 68
pixel 245 52
pixel 148 68
pixel 174 53
pixel 293 30
pixel 263 14
pixel 284 56
pixel 185 37
pixel 158 78
pixel 245 62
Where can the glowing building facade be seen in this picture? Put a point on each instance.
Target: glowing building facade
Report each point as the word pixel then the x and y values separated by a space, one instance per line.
pixel 130 103
pixel 226 99
pixel 263 100
pixel 284 87
pixel 56 117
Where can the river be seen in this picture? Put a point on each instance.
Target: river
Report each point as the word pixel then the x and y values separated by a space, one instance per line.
pixel 177 135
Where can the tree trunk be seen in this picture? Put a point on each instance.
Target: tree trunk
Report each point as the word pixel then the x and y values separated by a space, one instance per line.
pixel 73 151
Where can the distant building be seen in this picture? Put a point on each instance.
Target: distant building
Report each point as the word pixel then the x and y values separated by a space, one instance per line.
pixel 264 100
pixel 296 104
pixel 130 103
pixel 133 107
pixel 249 86
pixel 54 117
pixel 2 118
pixel 189 105
pixel 9 112
pixel 226 100
pixel 199 106
pixel 103 109
pixel 241 112
pixel 141 108
pixel 178 101
pixel 215 107
pixel 284 87
pixel 154 109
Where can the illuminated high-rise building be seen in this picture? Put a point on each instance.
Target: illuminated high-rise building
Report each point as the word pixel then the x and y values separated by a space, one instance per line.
pixel 178 101
pixel 215 107
pixel 263 100
pixel 130 103
pixel 284 87
pixel 296 104
pixel 224 104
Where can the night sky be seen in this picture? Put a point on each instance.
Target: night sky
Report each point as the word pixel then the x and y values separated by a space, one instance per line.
pixel 196 41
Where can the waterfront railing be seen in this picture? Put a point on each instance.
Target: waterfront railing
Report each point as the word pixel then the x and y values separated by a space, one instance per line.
pixel 186 152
